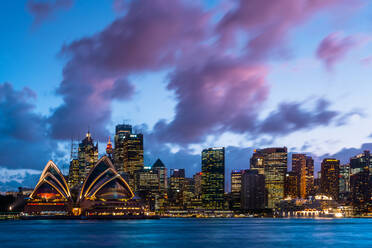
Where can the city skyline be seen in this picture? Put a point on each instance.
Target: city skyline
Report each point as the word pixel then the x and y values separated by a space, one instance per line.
pixel 70 66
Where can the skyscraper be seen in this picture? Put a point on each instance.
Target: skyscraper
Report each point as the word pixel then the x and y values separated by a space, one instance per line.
pixel 236 185
pixel 275 168
pixel 291 185
pixel 73 175
pixel 256 162
pixel 161 170
pixel 299 168
pixel 197 183
pixel 329 181
pixel 213 178
pixel 344 181
pixel 252 190
pixel 87 156
pixel 128 155
pixel 176 187
pixel 309 176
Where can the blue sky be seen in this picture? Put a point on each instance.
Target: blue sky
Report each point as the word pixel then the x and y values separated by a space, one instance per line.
pixel 162 102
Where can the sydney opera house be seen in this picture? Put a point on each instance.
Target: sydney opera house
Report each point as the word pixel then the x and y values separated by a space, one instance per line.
pixel 104 192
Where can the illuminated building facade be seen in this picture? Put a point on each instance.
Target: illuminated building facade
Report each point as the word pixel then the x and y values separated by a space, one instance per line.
pixel 197 183
pixel 213 178
pixel 128 154
pixel 291 185
pixel 87 156
pixel 344 181
pixel 148 186
pixel 299 168
pixel 275 169
pixel 256 162
pixel 252 190
pixel 329 181
pixel 309 176
pixel 73 175
pixel 361 162
pixel 236 185
pixel 161 170
pixel 176 188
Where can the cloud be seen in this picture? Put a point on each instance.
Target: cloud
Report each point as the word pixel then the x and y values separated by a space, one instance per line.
pixel 24 140
pixel 43 10
pixel 268 23
pixel 334 48
pixel 292 116
pixel 151 36
pixel 221 95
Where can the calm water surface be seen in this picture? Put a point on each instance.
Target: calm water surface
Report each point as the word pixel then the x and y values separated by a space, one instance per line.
pixel 180 233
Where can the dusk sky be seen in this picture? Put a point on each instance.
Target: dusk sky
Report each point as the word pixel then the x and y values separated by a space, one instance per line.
pixel 188 74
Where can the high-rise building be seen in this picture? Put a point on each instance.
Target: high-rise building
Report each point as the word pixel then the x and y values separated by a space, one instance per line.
pixel 73 175
pixel 197 183
pixel 213 178
pixel 299 168
pixel 291 185
pixel 87 156
pixel 275 169
pixel 360 186
pixel 128 154
pixel 109 149
pixel 252 190
pixel 329 181
pixel 361 162
pixel 176 187
pixel 344 181
pixel 148 186
pixel 256 162
pixel 160 168
pixel 236 185
pixel 309 176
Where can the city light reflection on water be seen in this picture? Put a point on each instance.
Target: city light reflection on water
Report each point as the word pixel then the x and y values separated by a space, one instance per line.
pixel 188 233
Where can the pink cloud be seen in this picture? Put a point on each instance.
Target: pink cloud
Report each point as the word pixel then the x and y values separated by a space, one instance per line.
pixel 334 48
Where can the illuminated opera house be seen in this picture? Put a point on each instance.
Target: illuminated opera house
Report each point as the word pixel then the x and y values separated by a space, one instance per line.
pixel 104 192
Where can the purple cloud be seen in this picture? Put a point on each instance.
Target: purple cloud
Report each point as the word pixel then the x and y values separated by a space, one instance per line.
pixel 42 10
pixel 334 48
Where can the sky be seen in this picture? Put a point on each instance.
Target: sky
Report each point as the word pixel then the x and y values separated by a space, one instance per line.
pixel 187 74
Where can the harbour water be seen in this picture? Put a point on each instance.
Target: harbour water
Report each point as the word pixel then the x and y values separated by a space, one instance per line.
pixel 181 233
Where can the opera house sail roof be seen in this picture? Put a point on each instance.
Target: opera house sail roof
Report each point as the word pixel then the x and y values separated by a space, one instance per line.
pixel 103 183
pixel 51 185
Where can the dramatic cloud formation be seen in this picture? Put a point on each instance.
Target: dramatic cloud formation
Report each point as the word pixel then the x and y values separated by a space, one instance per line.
pixel 291 117
pixel 269 22
pixel 151 36
pixel 24 141
pixel 42 10
pixel 333 48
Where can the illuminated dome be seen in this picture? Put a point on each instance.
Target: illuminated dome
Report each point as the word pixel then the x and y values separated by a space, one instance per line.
pixel 52 185
pixel 104 183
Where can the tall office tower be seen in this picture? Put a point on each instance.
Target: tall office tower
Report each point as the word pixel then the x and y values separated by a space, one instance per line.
pixel 197 183
pixel 329 184
pixel 73 175
pixel 236 185
pixel 128 155
pixel 188 193
pixel 213 178
pixel 148 187
pixel 360 186
pixel 275 168
pixel 256 162
pixel 309 176
pixel 361 162
pixel 291 185
pixel 176 187
pixel 121 132
pixel 299 168
pixel 87 156
pixel 160 168
pixel 252 190
pixel 344 180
